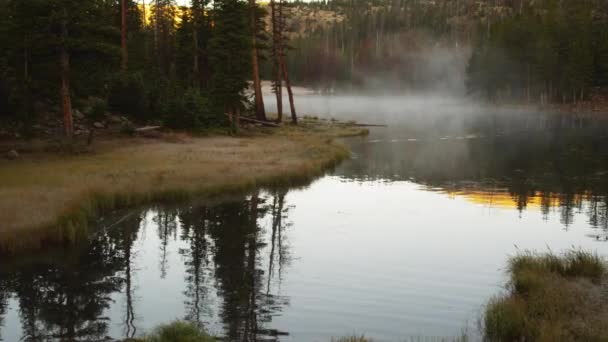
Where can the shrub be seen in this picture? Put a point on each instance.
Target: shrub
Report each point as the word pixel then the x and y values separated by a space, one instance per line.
pixel 127 128
pixel 190 111
pixel 178 332
pixel 97 109
pixel 127 95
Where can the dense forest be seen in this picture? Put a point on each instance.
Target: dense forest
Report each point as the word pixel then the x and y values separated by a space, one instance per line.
pixel 192 66
pixel 547 51
pixel 537 51
pixel 185 67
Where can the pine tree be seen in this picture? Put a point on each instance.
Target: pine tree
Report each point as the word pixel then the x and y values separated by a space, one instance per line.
pixel 257 29
pixel 230 55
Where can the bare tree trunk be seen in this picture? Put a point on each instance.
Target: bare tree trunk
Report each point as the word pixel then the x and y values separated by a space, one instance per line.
pixel 294 116
pixel 123 34
pixel 282 64
pixel 195 62
pixel 26 67
pixel 260 111
pixel 144 21
pixel 66 100
pixel 237 119
pixel 156 27
pixel 277 60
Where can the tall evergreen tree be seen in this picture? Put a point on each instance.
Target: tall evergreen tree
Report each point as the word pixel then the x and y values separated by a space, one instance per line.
pixel 230 55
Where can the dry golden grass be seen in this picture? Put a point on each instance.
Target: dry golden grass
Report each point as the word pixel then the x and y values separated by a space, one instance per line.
pixel 50 198
pixel 551 298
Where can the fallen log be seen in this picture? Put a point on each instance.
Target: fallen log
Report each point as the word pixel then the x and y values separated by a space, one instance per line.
pixel 147 129
pixel 369 125
pixel 250 120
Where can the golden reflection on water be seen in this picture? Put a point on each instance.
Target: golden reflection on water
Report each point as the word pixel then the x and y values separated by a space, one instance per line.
pixel 502 199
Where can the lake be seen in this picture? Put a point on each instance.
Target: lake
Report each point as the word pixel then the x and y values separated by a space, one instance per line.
pixel 407 239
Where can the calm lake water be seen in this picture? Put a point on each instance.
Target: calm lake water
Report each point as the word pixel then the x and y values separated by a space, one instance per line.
pixel 407 239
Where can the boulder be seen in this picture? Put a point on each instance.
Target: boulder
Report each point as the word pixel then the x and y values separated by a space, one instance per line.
pixel 115 119
pixel 99 125
pixel 78 115
pixel 12 154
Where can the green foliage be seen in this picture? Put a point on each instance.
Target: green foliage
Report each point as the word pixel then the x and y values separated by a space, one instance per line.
pixel 97 109
pixel 127 95
pixel 190 111
pixel 127 128
pixel 230 53
pixel 178 332
pixel 546 52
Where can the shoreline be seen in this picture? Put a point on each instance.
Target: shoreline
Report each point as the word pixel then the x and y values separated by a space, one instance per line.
pixel 48 199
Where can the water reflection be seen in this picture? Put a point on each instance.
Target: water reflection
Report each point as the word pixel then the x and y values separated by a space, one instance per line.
pixel 382 245
pixel 66 295
pixel 562 170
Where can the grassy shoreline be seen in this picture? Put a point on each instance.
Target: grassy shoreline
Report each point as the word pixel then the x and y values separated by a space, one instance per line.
pixel 48 199
pixel 551 298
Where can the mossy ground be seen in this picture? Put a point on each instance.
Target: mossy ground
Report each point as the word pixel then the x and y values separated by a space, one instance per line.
pixel 48 198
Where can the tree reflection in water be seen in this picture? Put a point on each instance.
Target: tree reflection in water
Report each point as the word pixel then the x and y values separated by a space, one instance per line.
pixel 558 163
pixel 66 294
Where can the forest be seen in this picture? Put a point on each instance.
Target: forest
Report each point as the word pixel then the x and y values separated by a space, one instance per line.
pixel 180 66
pixel 190 67
pixel 536 51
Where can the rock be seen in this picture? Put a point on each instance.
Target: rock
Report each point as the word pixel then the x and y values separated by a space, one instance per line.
pixel 99 125
pixel 78 114
pixel 115 119
pixel 12 155
pixel 81 132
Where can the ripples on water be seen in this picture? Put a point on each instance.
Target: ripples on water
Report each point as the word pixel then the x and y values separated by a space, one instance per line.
pixel 407 239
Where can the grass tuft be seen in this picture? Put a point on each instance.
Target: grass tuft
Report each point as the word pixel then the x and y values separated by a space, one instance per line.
pixel 551 298
pixel 178 332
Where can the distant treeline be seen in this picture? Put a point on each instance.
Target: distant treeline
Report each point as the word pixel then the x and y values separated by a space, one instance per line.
pixel 361 41
pixel 185 67
pixel 541 51
pixel 547 51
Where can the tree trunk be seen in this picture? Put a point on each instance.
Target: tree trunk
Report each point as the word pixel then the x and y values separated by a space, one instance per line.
pixel 195 64
pixel 123 35
pixel 294 116
pixel 260 111
pixel 26 67
pixel 237 119
pixel 66 100
pixel 276 65
pixel 156 29
pixel 144 21
pixel 282 64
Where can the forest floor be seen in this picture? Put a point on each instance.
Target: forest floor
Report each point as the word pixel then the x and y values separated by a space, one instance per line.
pixel 50 197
